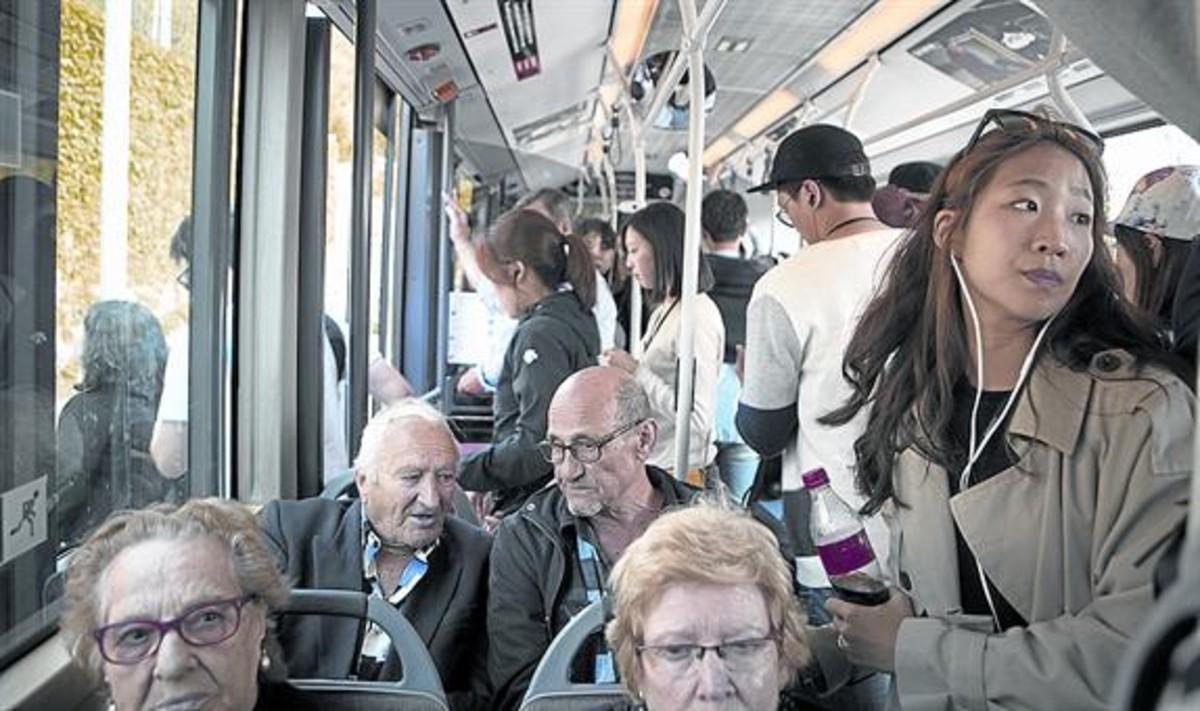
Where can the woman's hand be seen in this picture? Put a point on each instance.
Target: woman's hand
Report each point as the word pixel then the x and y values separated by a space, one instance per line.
pixel 617 358
pixel 460 226
pixel 868 634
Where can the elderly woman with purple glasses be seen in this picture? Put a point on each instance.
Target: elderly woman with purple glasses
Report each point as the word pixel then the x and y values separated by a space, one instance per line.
pixel 170 606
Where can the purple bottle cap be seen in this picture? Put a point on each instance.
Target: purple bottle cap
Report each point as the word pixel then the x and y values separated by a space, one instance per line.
pixel 814 478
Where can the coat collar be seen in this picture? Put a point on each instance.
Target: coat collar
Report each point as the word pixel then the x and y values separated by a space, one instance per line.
pixel 1053 405
pixel 1051 409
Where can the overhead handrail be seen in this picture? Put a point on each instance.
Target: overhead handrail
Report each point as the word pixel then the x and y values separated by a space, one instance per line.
pixel 1052 62
pixel 670 79
pixel 861 90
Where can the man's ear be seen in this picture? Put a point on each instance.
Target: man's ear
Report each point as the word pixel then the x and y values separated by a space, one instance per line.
pixel 810 193
pixel 943 227
pixel 360 480
pixel 647 438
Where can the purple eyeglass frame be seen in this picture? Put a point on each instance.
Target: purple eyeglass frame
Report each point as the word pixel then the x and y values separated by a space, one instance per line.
pixel 175 623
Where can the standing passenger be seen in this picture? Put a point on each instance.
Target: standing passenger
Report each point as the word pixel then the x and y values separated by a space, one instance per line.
pixel 1028 440
pixel 601 240
pixel 104 462
pixel 654 242
pixel 1153 231
pixel 545 279
pixel 723 216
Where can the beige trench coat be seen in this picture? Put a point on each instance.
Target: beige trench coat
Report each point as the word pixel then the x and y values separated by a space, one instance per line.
pixel 1069 535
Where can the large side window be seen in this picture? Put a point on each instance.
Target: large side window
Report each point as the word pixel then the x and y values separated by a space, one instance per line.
pixel 97 116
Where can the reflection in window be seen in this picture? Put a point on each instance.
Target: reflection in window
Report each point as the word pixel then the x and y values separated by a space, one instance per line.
pixel 339 172
pixel 94 186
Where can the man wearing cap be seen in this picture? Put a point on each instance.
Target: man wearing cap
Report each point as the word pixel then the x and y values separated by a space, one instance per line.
pixel 899 203
pixel 798 324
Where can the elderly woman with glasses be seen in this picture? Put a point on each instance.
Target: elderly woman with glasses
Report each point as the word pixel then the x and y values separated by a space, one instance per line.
pixel 704 615
pixel 170 605
pixel 1028 440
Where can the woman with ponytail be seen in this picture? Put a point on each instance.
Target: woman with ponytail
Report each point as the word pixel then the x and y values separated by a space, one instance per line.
pixel 1028 442
pixel 546 280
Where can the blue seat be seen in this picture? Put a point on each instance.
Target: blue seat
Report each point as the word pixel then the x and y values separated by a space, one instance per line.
pixel 420 687
pixel 551 687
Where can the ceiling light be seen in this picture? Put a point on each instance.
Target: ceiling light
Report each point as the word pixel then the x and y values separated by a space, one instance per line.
pixel 718 149
pixel 741 45
pixel 629 32
pixel 724 45
pixel 775 106
pixel 876 28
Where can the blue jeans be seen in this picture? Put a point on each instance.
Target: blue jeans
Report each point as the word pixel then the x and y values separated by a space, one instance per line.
pixel 738 464
pixel 863 693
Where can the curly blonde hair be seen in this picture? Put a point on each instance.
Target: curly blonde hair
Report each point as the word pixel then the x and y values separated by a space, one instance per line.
pixel 707 543
pixel 228 522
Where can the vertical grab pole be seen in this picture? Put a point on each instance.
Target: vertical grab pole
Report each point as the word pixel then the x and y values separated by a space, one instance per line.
pixel 639 201
pixel 360 219
pixel 693 44
pixel 443 281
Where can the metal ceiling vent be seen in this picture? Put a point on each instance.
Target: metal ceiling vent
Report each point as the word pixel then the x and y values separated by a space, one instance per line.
pixel 517 18
pixel 10 129
pixel 559 122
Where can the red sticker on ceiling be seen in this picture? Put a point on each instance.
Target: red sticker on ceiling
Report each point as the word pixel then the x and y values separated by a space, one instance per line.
pixel 517 18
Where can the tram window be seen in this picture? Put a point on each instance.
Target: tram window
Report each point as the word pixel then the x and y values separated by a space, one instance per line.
pixel 95 184
pixel 338 203
pixel 1129 156
pixel 378 170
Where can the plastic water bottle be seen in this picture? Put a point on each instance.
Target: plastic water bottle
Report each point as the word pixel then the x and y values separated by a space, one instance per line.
pixel 842 544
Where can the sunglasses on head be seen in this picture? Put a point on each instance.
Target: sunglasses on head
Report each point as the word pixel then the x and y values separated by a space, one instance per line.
pixel 1023 123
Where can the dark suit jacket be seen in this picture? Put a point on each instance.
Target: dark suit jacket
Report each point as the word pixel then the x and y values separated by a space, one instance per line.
pixel 318 543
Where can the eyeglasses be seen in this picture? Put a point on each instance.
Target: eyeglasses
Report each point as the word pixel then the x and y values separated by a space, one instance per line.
pixel 585 450
pixel 201 625
pixel 782 215
pixel 738 655
pixel 1018 123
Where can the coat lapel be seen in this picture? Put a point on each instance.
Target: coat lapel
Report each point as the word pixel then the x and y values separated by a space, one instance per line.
pixel 426 607
pixel 927 549
pixel 337 565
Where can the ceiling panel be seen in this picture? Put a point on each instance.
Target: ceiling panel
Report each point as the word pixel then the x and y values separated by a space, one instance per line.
pixel 571 37
pixel 783 36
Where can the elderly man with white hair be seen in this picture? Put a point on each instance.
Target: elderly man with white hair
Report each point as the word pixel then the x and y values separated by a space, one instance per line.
pixel 398 541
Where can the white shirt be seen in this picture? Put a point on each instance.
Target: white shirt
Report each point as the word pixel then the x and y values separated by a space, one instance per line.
pixel 798 324
pixel 657 371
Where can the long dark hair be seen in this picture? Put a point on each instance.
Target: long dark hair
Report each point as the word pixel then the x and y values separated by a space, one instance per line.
pixel 531 238
pixel 910 347
pixel 1156 279
pixel 661 224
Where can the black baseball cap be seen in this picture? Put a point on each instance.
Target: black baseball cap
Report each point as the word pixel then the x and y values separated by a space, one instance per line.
pixel 817 151
pixel 915 177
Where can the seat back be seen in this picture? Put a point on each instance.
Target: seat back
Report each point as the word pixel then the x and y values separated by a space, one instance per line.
pixel 551 686
pixel 419 687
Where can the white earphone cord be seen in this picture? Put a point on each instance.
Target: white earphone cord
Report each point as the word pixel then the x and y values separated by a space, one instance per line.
pixel 975 451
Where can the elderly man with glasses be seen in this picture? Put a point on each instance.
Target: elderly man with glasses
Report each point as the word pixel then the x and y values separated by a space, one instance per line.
pixel 551 558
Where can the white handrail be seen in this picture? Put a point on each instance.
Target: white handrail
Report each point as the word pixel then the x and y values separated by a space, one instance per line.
pixel 670 79
pixel 694 46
